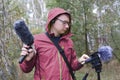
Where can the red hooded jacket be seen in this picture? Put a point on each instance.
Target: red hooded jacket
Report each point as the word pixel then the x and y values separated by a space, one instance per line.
pixel 48 63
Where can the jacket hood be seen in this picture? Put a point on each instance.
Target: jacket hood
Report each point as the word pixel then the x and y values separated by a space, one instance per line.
pixel 54 13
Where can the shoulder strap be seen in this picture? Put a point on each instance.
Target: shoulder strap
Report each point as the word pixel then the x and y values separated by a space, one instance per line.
pixel 63 55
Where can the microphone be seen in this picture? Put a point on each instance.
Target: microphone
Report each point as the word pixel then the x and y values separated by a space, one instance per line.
pixel 104 53
pixel 24 34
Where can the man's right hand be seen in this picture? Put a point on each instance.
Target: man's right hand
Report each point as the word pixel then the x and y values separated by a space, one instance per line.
pixel 30 52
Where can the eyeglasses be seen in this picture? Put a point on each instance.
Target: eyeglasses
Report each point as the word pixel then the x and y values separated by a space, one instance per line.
pixel 64 22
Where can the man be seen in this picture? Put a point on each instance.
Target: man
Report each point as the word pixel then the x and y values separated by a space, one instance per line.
pixel 45 57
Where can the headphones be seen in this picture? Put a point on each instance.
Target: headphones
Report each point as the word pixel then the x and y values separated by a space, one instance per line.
pixel 53 21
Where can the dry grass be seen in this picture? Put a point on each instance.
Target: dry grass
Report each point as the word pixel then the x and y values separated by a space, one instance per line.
pixel 110 71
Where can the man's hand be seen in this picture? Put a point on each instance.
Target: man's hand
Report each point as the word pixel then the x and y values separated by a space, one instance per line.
pixel 83 58
pixel 30 52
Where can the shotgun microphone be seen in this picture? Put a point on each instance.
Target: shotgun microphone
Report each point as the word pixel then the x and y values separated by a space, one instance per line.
pixel 104 53
pixel 24 34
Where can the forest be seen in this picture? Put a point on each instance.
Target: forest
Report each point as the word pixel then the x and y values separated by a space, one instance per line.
pixel 94 23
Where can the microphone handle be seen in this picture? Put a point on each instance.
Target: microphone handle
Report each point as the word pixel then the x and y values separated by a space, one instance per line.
pixel 22 58
pixel 88 60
